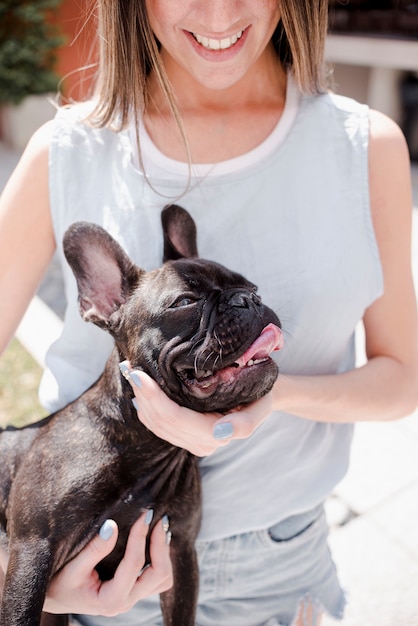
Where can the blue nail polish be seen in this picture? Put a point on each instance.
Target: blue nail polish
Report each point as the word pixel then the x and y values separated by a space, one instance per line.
pixel 166 523
pixel 149 516
pixel 224 430
pixel 106 530
pixel 135 403
pixel 135 379
pixel 124 369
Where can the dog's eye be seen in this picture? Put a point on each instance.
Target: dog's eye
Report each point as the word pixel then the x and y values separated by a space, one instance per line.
pixel 182 301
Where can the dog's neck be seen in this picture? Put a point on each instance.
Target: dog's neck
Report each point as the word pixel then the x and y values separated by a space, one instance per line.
pixel 118 390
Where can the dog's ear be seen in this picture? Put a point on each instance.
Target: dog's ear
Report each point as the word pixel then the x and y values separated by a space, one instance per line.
pixel 105 274
pixel 179 232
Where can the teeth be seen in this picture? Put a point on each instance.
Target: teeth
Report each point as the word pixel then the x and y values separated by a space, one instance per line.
pixel 255 362
pixel 217 44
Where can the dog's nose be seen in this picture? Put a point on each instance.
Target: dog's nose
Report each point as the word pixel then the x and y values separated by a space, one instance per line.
pixel 242 299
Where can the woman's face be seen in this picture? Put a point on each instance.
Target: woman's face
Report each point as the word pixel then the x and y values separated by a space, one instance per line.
pixel 214 42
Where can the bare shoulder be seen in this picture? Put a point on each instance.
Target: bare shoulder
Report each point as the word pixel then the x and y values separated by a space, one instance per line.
pixel 37 149
pixel 382 126
pixel 388 147
pixel 31 171
pixel 389 169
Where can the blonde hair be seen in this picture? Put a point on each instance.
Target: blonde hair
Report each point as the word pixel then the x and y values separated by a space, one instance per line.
pixel 129 52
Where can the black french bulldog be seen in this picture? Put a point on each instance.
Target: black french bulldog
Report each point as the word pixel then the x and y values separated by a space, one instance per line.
pixel 203 334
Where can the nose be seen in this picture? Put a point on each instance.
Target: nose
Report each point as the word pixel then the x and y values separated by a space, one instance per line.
pixel 239 299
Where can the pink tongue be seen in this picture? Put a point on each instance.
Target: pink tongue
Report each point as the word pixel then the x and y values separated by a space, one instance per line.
pixel 271 339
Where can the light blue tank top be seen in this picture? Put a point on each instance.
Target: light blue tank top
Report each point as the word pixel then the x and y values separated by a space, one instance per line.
pixel 292 215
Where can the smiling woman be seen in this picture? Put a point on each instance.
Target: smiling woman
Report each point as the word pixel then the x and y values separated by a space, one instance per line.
pixel 129 50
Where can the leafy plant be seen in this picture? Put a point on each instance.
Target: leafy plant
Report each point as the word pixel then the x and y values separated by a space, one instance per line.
pixel 28 44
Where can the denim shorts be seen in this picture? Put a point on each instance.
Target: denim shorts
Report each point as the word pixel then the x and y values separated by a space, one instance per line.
pixel 256 579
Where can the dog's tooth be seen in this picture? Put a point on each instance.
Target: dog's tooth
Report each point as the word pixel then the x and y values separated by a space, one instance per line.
pixel 252 362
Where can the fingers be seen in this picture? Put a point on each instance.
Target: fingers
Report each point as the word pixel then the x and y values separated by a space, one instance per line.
pixel 160 573
pixel 75 588
pixel 178 425
pixel 243 423
pixel 96 550
pixel 153 404
pixel 78 589
pixel 132 582
pixel 134 558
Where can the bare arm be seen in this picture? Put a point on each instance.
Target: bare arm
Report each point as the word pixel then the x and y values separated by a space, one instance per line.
pixel 26 237
pixel 387 386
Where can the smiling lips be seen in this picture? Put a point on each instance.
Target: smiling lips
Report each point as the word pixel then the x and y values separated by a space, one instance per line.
pixel 218 44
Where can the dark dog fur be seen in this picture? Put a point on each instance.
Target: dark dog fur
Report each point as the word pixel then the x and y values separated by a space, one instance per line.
pixel 186 324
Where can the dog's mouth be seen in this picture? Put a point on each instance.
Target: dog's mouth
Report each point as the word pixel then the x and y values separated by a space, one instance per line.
pixel 203 383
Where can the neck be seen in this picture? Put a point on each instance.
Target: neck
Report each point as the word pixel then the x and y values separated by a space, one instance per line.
pixel 116 395
pixel 219 123
pixel 265 81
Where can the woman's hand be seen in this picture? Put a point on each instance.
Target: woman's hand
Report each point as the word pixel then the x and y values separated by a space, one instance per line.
pixel 199 433
pixel 78 589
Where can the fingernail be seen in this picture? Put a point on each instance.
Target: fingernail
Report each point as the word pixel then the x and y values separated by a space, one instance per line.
pixel 124 369
pixel 224 430
pixel 149 516
pixel 135 379
pixel 143 569
pixel 106 530
pixel 166 527
pixel 166 523
pixel 135 403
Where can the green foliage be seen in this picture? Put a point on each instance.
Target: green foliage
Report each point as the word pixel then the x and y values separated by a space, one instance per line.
pixel 27 49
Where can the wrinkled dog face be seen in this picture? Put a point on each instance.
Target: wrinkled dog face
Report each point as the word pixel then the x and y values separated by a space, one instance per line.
pixel 204 335
pixel 200 330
